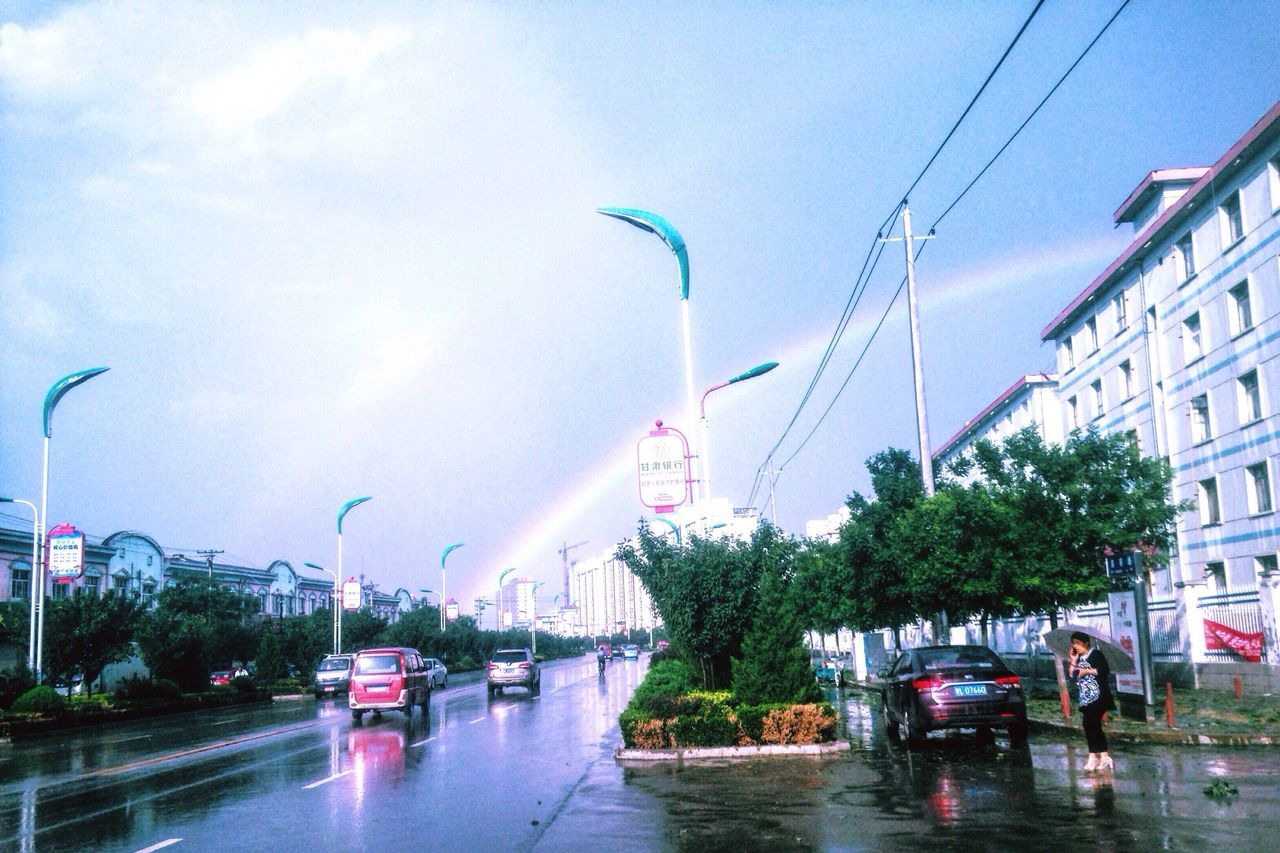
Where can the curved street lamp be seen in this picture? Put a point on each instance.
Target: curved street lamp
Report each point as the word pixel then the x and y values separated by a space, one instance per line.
pixel 57 391
pixel 675 528
pixel 443 587
pixel 333 601
pixel 498 608
pixel 655 224
pixel 758 370
pixel 342 513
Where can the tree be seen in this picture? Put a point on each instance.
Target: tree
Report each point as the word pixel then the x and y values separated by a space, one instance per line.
pixel 198 626
pixel 774 666
pixel 88 632
pixel 705 591
pixel 1069 506
pixel 361 630
pixel 817 590
pixel 877 591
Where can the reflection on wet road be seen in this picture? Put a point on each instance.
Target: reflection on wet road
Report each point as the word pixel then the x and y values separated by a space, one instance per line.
pixel 537 773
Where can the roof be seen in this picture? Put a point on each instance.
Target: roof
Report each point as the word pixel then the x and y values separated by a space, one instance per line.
pixel 1150 184
pixel 971 425
pixel 1260 134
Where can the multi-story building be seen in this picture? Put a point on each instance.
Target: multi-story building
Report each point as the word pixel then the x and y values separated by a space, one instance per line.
pixel 609 598
pixel 1032 401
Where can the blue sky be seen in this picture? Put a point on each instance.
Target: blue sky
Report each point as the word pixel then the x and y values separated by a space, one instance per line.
pixel 336 250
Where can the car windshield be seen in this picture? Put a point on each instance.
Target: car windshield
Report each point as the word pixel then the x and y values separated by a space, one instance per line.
pixel 509 657
pixel 974 656
pixel 378 664
pixel 334 664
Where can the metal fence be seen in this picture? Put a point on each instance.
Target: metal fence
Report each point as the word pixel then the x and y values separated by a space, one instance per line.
pixel 1166 630
pixel 1239 610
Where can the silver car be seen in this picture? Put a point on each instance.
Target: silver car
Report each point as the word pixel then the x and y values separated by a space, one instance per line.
pixel 437 672
pixel 333 675
pixel 513 668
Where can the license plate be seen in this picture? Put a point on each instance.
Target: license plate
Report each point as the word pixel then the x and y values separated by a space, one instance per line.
pixel 969 690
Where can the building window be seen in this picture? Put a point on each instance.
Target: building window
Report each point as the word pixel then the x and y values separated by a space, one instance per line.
pixel 1091 329
pixel 1201 428
pixel 1232 220
pixel 1273 176
pixel 20 581
pixel 1073 414
pixel 61 591
pixel 1068 354
pixel 1266 565
pixel 1126 380
pixel 1192 339
pixel 1240 314
pixel 1210 509
pixel 1259 481
pixel 1250 397
pixel 1186 251
pixel 120 584
pixel 1120 308
pixel 89 586
pixel 1095 391
pixel 1216 575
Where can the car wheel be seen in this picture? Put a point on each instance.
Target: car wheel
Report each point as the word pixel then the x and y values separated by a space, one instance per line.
pixel 890 724
pixel 357 717
pixel 1018 733
pixel 914 733
pixel 444 682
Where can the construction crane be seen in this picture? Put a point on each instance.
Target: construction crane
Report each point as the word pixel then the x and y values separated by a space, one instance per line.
pixel 564 556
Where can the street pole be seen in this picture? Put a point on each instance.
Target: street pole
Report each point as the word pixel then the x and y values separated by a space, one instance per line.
pixel 56 393
pixel 917 367
pixel 533 622
pixel 443 587
pixel 498 607
pixel 758 370
pixel 333 604
pixel 346 508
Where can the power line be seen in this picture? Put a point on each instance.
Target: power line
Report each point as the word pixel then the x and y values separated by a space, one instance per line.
pixel 846 317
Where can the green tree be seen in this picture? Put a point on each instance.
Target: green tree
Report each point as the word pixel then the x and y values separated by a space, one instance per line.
pixel 774 666
pixel 307 639
pixel 362 630
pixel 85 633
pixel 875 579
pixel 705 591
pixel 198 626
pixel 1069 505
pixel 270 655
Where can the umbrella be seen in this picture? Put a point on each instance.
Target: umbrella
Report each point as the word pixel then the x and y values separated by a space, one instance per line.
pixel 1059 642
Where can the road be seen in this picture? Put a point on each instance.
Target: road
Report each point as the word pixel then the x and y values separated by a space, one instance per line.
pixel 537 773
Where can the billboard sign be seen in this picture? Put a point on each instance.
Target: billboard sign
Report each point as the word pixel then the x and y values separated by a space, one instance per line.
pixel 1124 629
pixel 66 553
pixel 351 594
pixel 451 610
pixel 662 466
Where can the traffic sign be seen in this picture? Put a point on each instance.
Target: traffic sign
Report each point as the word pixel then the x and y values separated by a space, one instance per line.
pixel 1123 565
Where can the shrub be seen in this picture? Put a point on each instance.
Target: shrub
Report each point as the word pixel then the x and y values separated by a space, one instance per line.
pixel 710 722
pixel 799 724
pixel 664 680
pixel 640 731
pixel 243 684
pixel 14 682
pixel 138 689
pixel 41 699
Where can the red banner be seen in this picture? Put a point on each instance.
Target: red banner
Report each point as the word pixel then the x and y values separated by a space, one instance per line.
pixel 1219 637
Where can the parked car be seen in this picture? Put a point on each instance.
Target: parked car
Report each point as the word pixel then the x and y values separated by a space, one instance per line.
pixel 630 651
pixel 221 676
pixel 952 687
pixel 513 668
pixel 437 672
pixel 390 679
pixel 333 675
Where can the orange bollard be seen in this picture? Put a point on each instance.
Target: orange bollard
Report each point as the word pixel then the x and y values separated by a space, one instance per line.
pixel 1066 704
pixel 1235 682
pixel 1168 704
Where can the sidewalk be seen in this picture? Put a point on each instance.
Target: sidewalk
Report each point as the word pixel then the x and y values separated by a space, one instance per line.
pixel 1201 718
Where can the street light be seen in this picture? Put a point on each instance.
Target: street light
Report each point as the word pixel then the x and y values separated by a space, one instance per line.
pixel 674 527
pixel 498 609
pixel 333 601
pixel 533 623
pixel 758 370
pixel 57 391
pixel 655 224
pixel 346 508
pixel 35 558
pixel 443 586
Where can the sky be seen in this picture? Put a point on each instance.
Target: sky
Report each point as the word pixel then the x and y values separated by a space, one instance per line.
pixel 335 250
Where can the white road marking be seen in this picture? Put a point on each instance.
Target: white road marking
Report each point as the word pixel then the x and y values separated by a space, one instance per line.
pixel 127 739
pixel 329 779
pixel 476 720
pixel 425 740
pixel 160 846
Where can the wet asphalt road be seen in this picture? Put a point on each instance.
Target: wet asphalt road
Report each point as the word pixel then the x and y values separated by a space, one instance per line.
pixel 521 772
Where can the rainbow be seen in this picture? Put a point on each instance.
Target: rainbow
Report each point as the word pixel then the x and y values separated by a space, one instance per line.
pixel 544 534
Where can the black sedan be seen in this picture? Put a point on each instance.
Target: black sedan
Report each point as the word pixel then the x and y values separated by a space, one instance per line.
pixel 952 687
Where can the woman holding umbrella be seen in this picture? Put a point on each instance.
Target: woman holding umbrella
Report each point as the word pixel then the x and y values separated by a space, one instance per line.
pixel 1092 673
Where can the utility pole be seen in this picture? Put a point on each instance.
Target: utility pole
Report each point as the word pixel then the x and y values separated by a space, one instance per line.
pixel 208 556
pixel 564 556
pixel 917 368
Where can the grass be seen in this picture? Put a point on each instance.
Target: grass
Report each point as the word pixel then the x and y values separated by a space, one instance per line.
pixel 1205 711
